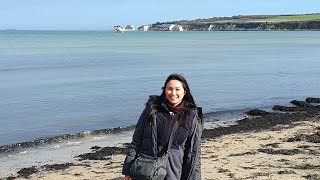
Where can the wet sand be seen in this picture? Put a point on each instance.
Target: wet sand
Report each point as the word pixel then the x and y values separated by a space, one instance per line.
pixel 277 145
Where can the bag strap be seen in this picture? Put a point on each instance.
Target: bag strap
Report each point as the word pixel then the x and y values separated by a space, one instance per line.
pixel 174 129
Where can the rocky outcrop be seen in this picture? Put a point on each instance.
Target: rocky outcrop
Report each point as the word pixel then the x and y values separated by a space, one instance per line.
pixel 313 100
pixel 300 106
pixel 257 112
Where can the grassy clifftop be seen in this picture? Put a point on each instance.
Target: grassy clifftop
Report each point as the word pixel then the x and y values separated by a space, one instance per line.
pixel 254 19
pixel 248 23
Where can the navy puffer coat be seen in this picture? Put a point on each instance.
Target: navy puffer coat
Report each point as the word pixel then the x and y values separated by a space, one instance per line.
pixel 184 155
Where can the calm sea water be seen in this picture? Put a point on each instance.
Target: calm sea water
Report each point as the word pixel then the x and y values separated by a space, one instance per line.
pixel 60 82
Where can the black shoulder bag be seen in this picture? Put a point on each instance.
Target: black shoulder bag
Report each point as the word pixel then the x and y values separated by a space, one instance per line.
pixel 149 167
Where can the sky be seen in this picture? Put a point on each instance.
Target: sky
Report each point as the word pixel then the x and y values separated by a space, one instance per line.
pixel 104 14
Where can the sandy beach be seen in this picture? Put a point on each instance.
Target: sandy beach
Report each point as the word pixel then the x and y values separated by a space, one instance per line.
pixel 277 145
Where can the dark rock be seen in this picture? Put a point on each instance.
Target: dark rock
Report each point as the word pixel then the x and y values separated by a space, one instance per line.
pixel 260 174
pixel 283 160
pixel 313 100
pixel 222 170
pixel 312 177
pixel 102 153
pixel 288 109
pixel 26 172
pixel 301 103
pixel 57 167
pixel 256 112
pixel 259 123
pixel 286 172
pixel 95 147
pixel 242 154
pixel 313 152
pixel 93 156
pixel 306 166
pixel 303 146
pixel 281 151
pixel 313 138
pixel 274 145
pixel 9 178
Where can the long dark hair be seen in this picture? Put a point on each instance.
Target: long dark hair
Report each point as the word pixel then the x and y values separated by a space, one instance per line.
pixel 187 99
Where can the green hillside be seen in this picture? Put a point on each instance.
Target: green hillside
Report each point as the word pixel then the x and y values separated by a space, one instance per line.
pixel 288 18
pixel 254 18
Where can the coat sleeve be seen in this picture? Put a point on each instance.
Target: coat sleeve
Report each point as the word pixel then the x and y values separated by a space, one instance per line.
pixel 191 162
pixel 135 145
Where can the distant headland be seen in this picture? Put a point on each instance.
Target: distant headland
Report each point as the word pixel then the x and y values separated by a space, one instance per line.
pixel 291 22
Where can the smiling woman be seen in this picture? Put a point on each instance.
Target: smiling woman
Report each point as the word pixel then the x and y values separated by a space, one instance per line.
pixel 173 112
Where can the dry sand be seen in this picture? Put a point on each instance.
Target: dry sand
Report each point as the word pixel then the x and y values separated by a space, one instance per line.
pixel 263 155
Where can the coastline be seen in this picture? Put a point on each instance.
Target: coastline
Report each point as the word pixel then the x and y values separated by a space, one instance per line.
pixel 268 145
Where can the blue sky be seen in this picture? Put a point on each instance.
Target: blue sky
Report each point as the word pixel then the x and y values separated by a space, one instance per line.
pixel 104 14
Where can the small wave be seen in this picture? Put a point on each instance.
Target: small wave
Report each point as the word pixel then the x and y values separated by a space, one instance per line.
pixel 98 138
pixel 23 152
pixel 73 143
pixel 226 115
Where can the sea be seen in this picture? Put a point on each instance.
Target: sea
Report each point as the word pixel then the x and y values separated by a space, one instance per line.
pixel 65 89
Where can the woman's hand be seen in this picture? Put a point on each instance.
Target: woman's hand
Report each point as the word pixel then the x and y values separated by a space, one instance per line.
pixel 127 177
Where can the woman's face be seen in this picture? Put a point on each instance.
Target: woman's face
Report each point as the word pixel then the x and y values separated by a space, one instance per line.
pixel 174 92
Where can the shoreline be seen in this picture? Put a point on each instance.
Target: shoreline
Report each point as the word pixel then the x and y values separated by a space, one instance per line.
pixel 59 138
pixel 268 145
pixel 213 119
